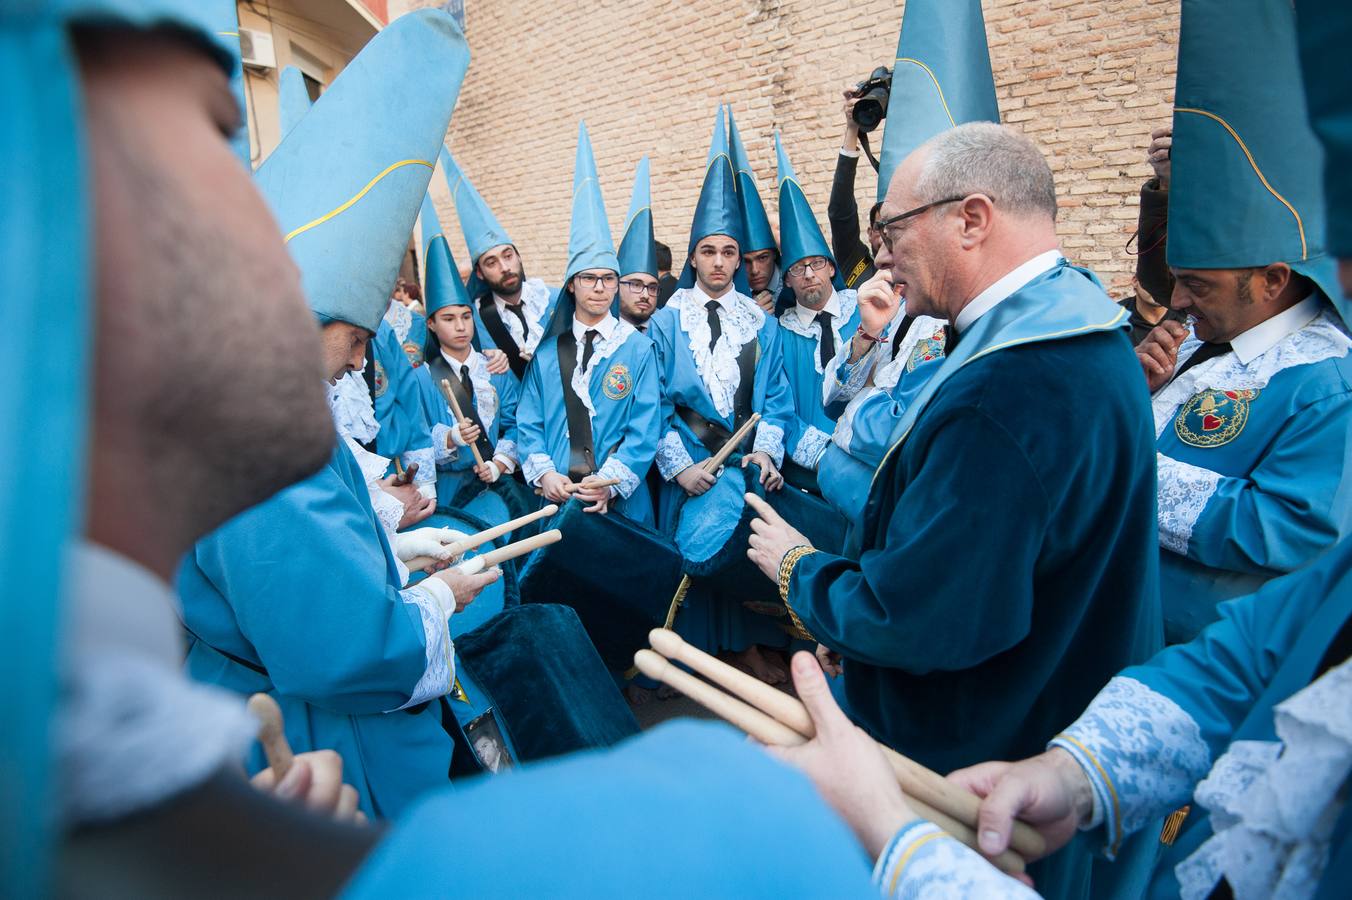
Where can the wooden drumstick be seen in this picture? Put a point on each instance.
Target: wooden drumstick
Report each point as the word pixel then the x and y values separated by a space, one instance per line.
pixel 473 541
pixel 918 782
pixel 771 732
pixel 271 735
pixel 712 463
pixel 490 559
pixel 460 417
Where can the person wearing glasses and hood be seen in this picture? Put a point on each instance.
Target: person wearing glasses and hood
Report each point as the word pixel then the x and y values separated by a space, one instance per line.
pixel 640 284
pixel 606 372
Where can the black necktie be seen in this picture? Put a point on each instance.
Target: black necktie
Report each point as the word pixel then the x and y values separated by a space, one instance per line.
pixel 467 383
pixel 1207 351
pixel 715 325
pixel 516 310
pixel 588 349
pixel 827 348
pixel 950 339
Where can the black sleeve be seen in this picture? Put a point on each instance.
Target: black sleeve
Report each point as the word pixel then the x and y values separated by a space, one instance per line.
pixel 842 212
pixel 1152 229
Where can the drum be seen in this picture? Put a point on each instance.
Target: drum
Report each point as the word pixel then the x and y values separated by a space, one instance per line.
pixel 529 685
pixel 713 530
pixel 619 576
pixel 501 594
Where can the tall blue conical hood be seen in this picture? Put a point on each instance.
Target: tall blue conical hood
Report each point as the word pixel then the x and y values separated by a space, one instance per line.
pixel 1324 38
pixel 46 227
pixel 293 100
pixel 755 223
pixel 717 211
pixel 347 221
pixel 941 79
pixel 638 248
pixel 224 17
pixel 477 222
pixel 442 286
pixel 1246 187
pixel 589 242
pixel 799 234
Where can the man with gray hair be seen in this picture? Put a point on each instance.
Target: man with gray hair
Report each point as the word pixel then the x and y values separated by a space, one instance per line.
pixel 1004 566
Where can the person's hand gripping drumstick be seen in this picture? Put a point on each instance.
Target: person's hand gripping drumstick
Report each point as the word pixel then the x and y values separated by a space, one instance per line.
pixel 314 779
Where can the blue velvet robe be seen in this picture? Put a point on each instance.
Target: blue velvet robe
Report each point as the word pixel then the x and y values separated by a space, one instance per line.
pixel 626 392
pixel 1005 565
pixel 1282 454
pixel 305 586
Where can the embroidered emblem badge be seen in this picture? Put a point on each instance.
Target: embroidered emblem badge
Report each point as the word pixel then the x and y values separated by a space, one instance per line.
pixel 1213 417
pixel 618 382
pixel 414 353
pixel 926 350
pixel 382 381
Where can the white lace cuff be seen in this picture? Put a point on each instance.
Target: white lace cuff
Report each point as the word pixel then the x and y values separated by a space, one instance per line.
pixel 1184 491
pixel 847 379
pixel 810 447
pixel 508 453
pixel 427 468
pixel 672 457
pixel 613 468
pixel 388 510
pixel 925 861
pixel 1141 752
pixel 770 441
pixel 436 679
pixel 442 449
pixel 535 467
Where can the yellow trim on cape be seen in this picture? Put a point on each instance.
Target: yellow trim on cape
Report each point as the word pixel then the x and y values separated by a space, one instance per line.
pixel 930 73
pixel 1112 791
pixel 1300 223
pixel 361 193
pixel 910 851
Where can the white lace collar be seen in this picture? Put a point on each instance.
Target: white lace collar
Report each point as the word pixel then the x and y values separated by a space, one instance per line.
pixel 602 349
pixel 354 414
pixel 1264 336
pixel 400 318
pixel 741 320
pixel 1324 337
pixel 1004 288
pixel 485 395
pixel 1274 804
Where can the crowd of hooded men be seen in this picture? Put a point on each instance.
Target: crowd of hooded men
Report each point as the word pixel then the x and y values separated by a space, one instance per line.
pixel 1104 539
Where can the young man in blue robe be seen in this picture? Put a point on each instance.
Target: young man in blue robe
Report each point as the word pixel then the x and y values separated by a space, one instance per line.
pixel 488 400
pixel 639 282
pixel 301 596
pixel 1253 403
pixel 513 310
pixel 608 427
pixel 707 335
pixel 823 317
pixel 405 432
pixel 760 252
pixel 1004 566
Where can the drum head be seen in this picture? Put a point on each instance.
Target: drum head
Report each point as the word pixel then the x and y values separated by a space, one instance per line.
pixel 710 522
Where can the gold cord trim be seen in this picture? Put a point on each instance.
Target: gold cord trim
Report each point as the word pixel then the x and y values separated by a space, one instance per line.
pixel 362 193
pixel 1300 224
pixel 930 73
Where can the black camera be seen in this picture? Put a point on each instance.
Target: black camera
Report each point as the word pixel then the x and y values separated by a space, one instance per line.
pixel 872 92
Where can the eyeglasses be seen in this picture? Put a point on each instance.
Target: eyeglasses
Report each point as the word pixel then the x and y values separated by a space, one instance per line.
pixel 800 268
pixel 640 288
pixel 884 224
pixel 588 281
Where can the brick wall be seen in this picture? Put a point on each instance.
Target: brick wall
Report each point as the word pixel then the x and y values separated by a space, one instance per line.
pixel 1087 79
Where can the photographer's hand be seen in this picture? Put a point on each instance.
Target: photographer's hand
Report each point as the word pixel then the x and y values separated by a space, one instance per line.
pixel 850 141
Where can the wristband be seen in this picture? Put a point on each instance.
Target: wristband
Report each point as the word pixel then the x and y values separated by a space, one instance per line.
pixel 860 332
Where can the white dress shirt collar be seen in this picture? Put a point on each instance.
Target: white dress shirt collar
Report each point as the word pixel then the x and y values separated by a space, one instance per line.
pixel 606 327
pixel 702 299
pixel 808 316
pixel 985 301
pixel 455 364
pixel 1262 337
